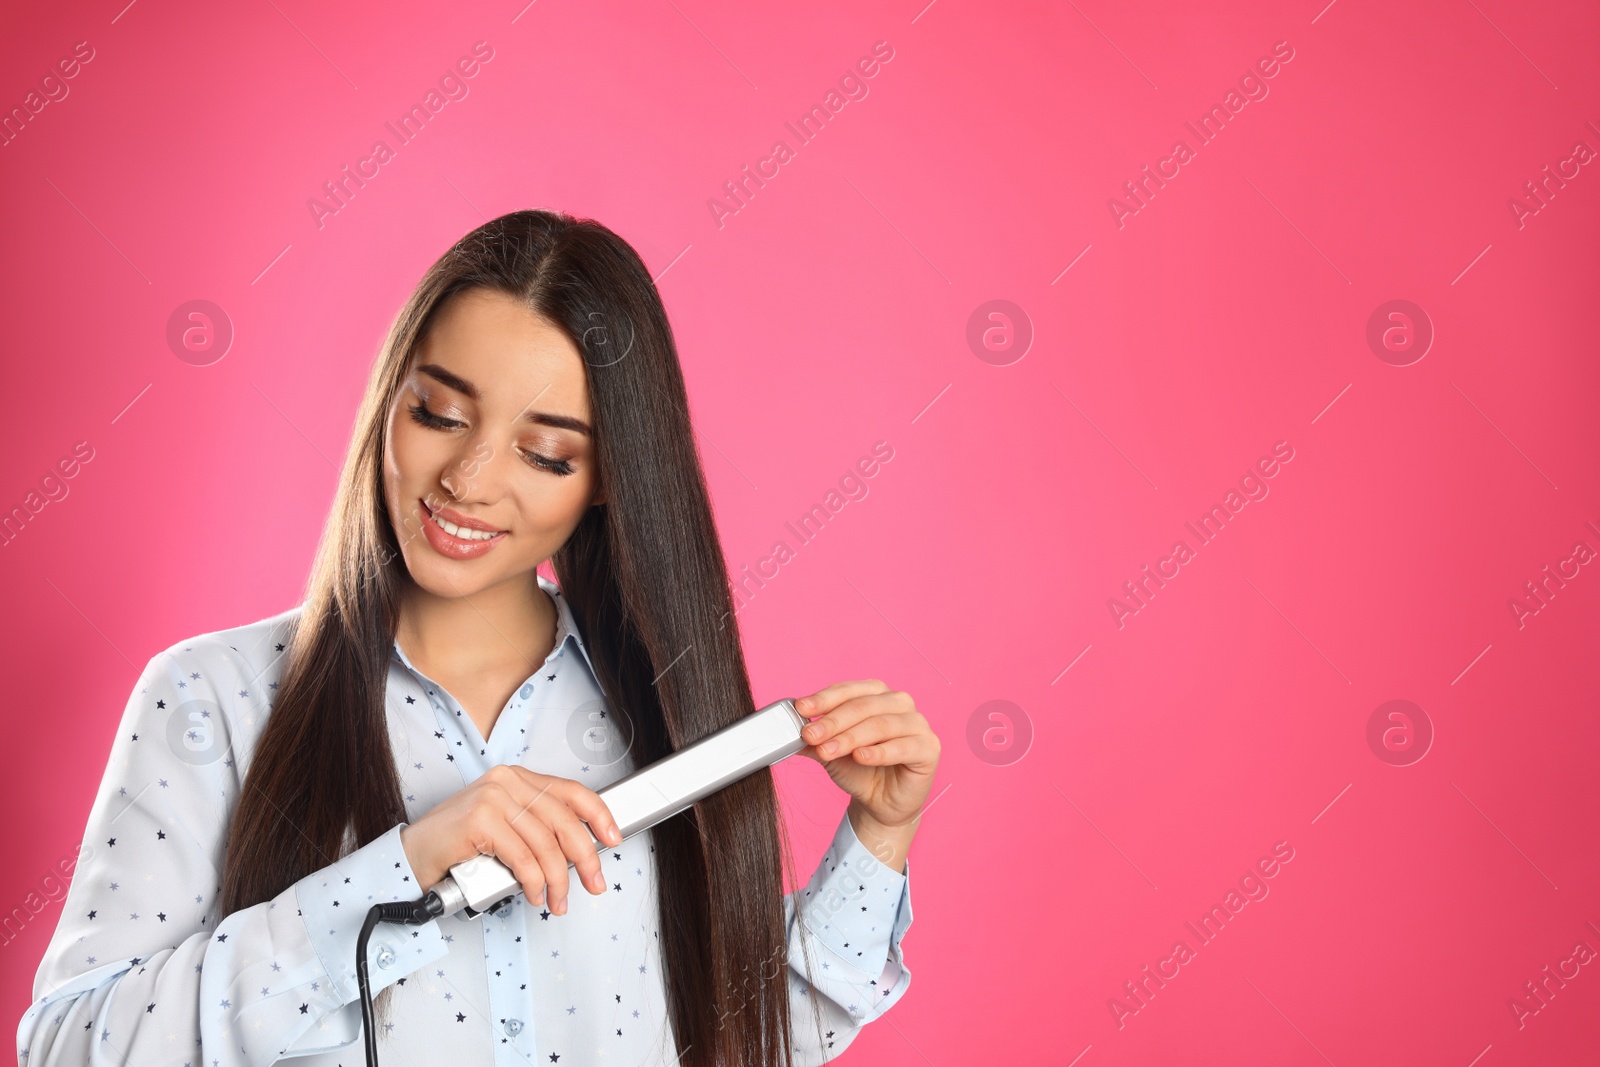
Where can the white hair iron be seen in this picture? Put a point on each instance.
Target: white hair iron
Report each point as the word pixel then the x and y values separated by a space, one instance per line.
pixel 646 797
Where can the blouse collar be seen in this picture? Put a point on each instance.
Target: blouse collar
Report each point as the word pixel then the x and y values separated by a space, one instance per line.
pixel 566 627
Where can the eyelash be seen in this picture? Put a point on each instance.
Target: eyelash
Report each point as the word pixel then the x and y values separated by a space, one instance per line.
pixel 421 415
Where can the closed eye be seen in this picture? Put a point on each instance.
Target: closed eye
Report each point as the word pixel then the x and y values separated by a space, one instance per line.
pixel 554 466
pixel 422 415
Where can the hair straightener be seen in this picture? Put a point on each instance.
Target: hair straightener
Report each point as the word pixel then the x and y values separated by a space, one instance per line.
pixel 638 801
pixel 647 796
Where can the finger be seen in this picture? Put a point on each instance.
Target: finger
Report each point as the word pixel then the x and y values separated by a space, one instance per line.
pixel 868 730
pixel 579 798
pixel 552 860
pixel 521 785
pixel 579 848
pixel 491 835
pixel 551 807
pixel 826 699
pixel 556 795
pixel 524 811
pixel 849 713
pixel 912 751
pixel 547 801
pixel 853 711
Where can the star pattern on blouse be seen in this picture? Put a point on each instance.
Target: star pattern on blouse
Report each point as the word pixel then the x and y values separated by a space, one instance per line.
pixel 505 955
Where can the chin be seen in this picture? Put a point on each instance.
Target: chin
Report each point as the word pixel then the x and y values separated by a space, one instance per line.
pixel 450 578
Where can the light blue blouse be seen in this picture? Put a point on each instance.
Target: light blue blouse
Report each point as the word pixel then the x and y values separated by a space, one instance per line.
pixel 144 969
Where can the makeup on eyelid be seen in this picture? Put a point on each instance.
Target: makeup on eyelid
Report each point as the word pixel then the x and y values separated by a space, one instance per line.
pixel 558 465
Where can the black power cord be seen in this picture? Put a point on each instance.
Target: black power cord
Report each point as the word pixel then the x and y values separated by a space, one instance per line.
pixel 409 913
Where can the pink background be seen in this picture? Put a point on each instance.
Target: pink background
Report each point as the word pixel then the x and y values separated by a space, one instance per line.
pixel 831 312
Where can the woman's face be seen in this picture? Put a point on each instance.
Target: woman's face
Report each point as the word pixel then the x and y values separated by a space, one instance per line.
pixel 490 459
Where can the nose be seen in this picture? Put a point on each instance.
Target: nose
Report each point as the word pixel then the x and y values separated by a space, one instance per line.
pixel 476 472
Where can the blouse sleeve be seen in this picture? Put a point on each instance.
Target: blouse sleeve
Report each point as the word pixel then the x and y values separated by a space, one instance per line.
pixel 849 919
pixel 142 967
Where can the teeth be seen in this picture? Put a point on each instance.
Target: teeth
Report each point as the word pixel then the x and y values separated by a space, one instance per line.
pixel 462 532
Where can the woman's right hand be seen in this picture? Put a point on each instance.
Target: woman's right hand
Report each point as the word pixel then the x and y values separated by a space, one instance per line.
pixel 528 821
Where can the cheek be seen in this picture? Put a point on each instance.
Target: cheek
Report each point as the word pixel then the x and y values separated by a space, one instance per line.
pixel 396 466
pixel 414 456
pixel 398 498
pixel 551 508
pixel 554 506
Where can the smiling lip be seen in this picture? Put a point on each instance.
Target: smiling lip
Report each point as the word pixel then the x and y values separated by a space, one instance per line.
pixel 454 547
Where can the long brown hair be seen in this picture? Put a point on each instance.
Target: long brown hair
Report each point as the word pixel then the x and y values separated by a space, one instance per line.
pixel 648 585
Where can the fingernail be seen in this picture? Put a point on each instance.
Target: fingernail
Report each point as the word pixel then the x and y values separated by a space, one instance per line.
pixel 829 748
pixel 813 731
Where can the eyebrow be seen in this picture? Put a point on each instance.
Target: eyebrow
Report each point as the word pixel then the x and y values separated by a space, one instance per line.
pixel 461 385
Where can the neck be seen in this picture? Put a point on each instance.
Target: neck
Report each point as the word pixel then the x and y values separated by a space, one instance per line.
pixel 509 626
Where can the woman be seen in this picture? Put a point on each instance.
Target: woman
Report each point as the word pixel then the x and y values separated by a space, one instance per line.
pixel 435 697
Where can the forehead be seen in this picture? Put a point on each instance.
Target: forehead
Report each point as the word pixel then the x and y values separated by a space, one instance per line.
pixel 511 355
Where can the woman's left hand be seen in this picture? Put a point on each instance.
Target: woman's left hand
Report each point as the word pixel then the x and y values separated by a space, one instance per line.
pixel 875 746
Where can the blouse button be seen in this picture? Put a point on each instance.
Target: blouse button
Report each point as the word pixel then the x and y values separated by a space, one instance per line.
pixel 386 956
pixel 513 1027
